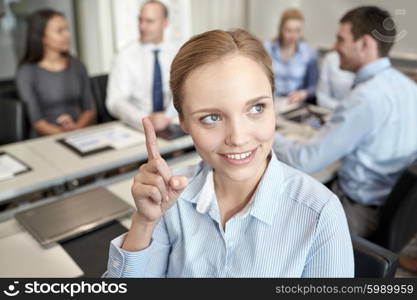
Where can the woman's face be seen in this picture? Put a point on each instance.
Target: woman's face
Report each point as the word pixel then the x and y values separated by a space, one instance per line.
pixel 57 35
pixel 229 112
pixel 292 31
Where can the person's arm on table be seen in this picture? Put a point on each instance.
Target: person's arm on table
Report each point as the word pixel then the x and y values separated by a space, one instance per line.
pixel 337 138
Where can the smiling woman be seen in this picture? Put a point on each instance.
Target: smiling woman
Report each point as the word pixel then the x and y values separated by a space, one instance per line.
pixel 240 212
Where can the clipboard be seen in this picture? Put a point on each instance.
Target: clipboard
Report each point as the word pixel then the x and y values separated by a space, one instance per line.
pixel 19 167
pixel 84 154
pixel 100 140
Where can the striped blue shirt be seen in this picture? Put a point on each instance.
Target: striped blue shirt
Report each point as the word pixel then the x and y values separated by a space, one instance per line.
pixel 374 131
pixel 301 71
pixel 292 227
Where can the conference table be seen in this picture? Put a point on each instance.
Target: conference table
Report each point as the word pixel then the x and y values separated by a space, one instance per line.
pixel 22 256
pixel 54 164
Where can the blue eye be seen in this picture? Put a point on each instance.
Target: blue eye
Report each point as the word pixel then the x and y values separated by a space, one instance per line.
pixel 210 119
pixel 258 108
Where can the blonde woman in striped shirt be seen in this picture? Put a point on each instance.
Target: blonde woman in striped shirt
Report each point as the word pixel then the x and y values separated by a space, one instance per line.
pixel 240 212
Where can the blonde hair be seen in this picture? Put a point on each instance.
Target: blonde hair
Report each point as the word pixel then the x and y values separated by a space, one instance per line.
pixel 289 14
pixel 210 47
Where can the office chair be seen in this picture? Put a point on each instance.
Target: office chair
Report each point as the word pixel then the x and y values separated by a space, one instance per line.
pixel 398 216
pixel 373 261
pixel 99 87
pixel 13 124
pixel 8 89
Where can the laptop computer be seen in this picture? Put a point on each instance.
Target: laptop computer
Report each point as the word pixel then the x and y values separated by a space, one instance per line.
pixel 73 215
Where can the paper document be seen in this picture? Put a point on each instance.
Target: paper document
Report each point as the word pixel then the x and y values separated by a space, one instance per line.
pixel 10 166
pixel 117 137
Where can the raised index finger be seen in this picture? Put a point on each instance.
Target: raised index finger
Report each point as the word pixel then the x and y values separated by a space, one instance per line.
pixel 151 141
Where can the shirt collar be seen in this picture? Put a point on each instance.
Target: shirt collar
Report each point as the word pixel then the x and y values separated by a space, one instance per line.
pixel 263 205
pixel 268 195
pixel 368 71
pixel 276 49
pixel 152 47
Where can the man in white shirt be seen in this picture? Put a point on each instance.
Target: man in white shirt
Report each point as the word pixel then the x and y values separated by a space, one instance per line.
pixel 139 81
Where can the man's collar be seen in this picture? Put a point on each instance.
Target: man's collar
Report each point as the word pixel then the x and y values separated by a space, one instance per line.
pixel 369 70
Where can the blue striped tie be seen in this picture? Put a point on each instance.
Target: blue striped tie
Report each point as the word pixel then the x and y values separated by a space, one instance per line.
pixel 157 92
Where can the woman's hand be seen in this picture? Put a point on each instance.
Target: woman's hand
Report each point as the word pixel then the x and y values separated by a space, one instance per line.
pixel 66 122
pixel 154 189
pixel 297 96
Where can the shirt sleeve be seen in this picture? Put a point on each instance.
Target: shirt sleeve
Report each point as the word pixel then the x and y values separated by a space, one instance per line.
pixel 149 262
pixel 331 254
pixel 118 94
pixel 87 100
pixel 312 74
pixel 27 93
pixel 348 126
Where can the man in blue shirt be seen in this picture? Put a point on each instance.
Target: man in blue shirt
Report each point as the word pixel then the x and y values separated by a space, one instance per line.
pixel 373 131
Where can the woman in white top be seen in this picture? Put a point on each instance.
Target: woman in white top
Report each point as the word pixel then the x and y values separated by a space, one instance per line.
pixel 240 212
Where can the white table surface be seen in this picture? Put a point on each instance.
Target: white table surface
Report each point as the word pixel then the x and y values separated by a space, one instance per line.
pixel 42 174
pixel 54 164
pixel 22 256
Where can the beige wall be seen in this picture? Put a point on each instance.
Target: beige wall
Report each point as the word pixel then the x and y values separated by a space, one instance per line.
pixel 102 29
pixel 218 14
pixel 95 34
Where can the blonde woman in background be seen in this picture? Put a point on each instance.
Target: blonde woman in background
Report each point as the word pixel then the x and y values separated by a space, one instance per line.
pixel 294 62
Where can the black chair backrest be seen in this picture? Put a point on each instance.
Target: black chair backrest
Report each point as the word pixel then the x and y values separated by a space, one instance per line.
pixel 398 216
pixel 8 89
pixel 99 87
pixel 13 126
pixel 373 261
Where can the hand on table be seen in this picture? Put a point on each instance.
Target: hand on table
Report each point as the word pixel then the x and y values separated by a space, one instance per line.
pixel 66 122
pixel 159 120
pixel 297 96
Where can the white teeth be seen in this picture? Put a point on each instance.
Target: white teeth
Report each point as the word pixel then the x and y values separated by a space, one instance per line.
pixel 239 156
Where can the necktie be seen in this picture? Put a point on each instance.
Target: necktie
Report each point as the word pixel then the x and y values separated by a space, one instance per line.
pixel 157 92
